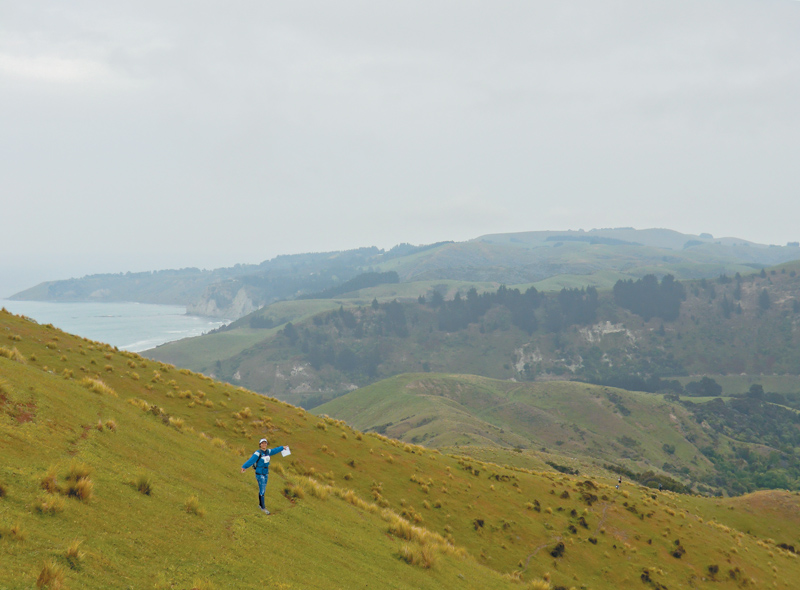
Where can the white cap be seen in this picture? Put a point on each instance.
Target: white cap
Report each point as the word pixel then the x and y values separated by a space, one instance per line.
pixel 262 440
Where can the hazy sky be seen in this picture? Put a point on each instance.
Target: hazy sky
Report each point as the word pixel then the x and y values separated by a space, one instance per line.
pixel 146 135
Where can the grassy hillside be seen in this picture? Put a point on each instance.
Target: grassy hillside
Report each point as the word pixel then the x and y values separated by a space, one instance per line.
pixel 723 327
pixel 713 446
pixel 118 471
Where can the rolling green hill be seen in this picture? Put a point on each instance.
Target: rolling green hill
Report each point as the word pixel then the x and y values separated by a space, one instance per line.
pixel 721 327
pixel 122 472
pixel 710 444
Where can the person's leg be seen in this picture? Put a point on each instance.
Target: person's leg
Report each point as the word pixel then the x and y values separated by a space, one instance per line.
pixel 262 489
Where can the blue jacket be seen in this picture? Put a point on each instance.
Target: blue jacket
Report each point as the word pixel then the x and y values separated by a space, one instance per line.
pixel 261 460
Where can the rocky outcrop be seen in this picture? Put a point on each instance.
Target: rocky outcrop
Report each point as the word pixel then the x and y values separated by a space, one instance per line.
pixel 222 301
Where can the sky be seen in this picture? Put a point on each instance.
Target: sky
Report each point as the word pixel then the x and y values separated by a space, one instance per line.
pixel 147 135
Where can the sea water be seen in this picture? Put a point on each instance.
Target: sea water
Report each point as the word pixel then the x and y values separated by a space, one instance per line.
pixel 129 326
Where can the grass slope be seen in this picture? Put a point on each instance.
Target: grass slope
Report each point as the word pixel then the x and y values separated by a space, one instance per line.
pixel 573 419
pixel 350 509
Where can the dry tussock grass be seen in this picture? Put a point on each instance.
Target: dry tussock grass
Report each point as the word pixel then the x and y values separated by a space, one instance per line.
pixel 97 386
pixel 51 576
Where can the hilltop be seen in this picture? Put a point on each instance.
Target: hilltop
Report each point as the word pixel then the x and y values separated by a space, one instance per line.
pixel 119 471
pixel 549 259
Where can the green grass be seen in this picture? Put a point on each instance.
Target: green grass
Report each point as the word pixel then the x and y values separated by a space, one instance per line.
pixel 344 507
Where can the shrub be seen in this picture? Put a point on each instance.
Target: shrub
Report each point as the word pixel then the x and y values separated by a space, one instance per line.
pixel 558 550
pixel 74 555
pixel 51 576
pixel 192 506
pixel 144 484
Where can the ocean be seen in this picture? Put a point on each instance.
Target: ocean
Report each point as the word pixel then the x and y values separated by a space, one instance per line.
pixel 129 326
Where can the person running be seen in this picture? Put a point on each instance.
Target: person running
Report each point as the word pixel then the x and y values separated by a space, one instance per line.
pixel 260 460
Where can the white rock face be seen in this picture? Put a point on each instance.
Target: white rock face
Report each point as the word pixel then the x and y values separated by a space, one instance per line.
pixel 240 306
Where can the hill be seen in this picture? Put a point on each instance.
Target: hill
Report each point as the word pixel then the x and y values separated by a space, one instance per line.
pixel 713 445
pixel 308 352
pixel 118 471
pixel 550 259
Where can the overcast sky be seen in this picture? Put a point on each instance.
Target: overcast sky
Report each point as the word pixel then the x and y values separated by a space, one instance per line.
pixel 146 135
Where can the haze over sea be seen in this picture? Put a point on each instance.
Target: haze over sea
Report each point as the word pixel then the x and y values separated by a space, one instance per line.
pixel 129 326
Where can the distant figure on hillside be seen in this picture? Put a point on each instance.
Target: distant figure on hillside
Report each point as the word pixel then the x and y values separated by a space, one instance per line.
pixel 260 460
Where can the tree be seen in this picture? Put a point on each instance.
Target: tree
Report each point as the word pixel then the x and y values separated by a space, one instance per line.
pixel 763 300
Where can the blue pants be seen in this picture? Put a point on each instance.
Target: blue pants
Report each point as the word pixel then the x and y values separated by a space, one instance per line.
pixel 262 483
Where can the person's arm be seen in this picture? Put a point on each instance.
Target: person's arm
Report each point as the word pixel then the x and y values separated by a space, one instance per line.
pixel 275 451
pixel 250 461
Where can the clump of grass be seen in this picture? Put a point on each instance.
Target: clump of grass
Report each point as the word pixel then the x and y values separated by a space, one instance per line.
pixel 82 489
pixel 293 490
pixel 192 506
pixel 243 414
pixel 16 532
pixel 176 422
pixel 49 482
pixel 424 556
pixel 539 584
pixel 144 484
pixel 202 583
pixel 278 468
pixel 51 576
pixel 111 425
pixel 78 470
pixel 97 386
pixel 13 354
pixel 218 442
pixel 74 555
pixel 49 505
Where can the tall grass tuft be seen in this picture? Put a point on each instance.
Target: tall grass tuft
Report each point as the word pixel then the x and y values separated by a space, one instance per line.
pixel 17 532
pixel 192 506
pixel 144 484
pixel 74 555
pixel 423 556
pixel 97 386
pixel 539 585
pixel 82 489
pixel 13 354
pixel 49 504
pixel 51 576
pixel 49 483
pixel 78 470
